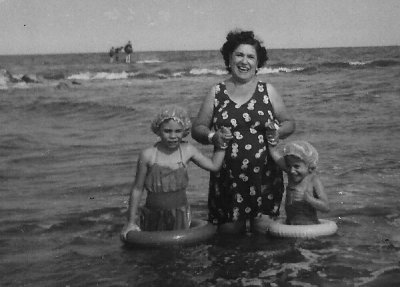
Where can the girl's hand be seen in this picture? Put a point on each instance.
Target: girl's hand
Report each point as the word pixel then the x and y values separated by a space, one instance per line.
pixel 128 227
pixel 308 196
pixel 222 137
pixel 272 134
pixel 298 196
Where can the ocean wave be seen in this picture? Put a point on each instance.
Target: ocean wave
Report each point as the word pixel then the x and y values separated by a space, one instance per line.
pixel 205 71
pixel 71 109
pixel 384 63
pixel 87 76
pixel 155 61
pixel 361 64
pixel 16 141
pixel 272 70
pixel 165 71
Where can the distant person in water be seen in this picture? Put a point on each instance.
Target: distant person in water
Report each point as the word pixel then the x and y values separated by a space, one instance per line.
pixel 117 50
pixel 111 53
pixel 304 192
pixel 162 172
pixel 128 51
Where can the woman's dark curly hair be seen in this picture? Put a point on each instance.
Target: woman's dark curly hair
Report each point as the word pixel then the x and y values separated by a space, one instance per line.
pixel 238 37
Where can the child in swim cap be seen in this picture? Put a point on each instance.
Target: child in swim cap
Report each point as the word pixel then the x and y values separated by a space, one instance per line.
pixel 162 172
pixel 304 192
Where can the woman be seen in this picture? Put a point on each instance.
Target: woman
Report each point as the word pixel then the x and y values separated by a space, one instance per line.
pixel 249 184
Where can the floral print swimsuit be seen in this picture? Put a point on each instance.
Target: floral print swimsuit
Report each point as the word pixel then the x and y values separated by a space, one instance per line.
pixel 249 183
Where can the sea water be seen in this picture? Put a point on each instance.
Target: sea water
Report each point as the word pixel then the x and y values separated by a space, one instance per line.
pixel 71 129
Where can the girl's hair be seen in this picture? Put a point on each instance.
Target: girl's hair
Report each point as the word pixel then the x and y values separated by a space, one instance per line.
pixel 175 113
pixel 238 37
pixel 303 150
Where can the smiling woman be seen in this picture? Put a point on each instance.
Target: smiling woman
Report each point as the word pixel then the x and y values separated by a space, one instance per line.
pixel 249 184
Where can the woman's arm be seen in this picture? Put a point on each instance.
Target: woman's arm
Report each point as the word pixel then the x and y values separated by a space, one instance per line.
pixel 320 201
pixel 201 129
pixel 202 124
pixel 287 123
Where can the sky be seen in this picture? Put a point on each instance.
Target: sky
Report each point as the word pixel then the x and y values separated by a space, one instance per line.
pixel 83 26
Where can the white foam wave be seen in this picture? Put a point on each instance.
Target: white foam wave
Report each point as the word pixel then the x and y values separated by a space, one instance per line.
pixel 359 63
pixel 267 70
pixel 87 76
pixel 3 81
pixel 110 76
pixel 204 71
pixel 178 74
pixel 149 61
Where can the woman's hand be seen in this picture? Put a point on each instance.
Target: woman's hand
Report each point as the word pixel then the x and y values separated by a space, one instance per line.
pixel 222 137
pixel 128 227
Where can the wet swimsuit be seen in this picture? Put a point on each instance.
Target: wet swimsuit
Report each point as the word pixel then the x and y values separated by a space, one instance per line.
pixel 166 205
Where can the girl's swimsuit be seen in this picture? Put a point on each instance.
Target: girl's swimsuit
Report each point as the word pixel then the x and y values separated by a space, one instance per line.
pixel 166 205
pixel 299 212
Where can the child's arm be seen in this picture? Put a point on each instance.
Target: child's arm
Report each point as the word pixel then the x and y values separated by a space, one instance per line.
pixel 210 164
pixel 136 192
pixel 272 137
pixel 277 156
pixel 320 201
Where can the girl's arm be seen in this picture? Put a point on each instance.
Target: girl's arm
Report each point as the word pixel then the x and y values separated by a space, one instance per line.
pixel 277 156
pixel 210 164
pixel 287 123
pixel 136 192
pixel 320 201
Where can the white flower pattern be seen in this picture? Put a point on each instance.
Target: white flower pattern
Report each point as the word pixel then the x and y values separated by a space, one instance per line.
pixel 245 163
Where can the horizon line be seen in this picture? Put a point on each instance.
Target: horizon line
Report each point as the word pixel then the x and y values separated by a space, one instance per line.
pixel 198 50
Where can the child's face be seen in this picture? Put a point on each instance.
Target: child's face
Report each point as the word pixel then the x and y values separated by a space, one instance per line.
pixel 297 168
pixel 171 133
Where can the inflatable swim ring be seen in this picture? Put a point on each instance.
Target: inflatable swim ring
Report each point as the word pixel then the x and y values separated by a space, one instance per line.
pixel 280 229
pixel 199 230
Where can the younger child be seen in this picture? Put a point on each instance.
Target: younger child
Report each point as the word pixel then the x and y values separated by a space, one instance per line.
pixel 304 191
pixel 162 172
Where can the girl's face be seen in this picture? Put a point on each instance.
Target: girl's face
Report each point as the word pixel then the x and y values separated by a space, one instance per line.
pixel 243 62
pixel 297 168
pixel 171 133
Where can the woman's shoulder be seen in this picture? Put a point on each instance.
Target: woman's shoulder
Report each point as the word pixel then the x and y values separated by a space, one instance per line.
pixel 219 86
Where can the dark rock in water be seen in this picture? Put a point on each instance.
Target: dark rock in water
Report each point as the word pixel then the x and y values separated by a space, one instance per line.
pixel 7 76
pixel 62 86
pixel 76 82
pixel 30 79
pixel 54 76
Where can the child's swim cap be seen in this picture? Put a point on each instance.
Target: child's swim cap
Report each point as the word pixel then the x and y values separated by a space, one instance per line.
pixel 303 150
pixel 175 113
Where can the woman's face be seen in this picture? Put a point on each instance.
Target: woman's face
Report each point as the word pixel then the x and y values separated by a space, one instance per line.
pixel 243 62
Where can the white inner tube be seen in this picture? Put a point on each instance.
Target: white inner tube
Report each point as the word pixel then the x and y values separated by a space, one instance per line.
pixel 280 229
